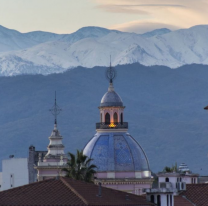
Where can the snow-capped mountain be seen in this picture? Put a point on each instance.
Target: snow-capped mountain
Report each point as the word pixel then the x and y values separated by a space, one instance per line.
pixel 156 32
pixel 45 53
pixel 13 40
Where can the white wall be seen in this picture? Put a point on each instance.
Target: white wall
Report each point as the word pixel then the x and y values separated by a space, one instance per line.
pixel 14 173
pixel 173 180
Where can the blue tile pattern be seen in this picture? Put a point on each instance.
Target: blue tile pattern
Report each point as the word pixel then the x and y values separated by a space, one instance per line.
pixel 116 152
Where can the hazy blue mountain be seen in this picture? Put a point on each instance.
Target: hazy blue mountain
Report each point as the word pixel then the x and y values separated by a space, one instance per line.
pixel 164 108
pixel 156 32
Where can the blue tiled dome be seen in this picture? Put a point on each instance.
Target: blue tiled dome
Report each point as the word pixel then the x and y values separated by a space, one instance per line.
pixel 116 152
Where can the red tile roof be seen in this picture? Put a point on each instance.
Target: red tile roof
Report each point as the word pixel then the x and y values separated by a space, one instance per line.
pixel 181 201
pixel 197 194
pixel 67 192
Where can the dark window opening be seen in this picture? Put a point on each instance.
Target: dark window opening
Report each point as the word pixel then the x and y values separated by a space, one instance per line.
pixel 121 118
pixel 158 201
pixel 152 199
pixel 167 200
pixel 115 117
pixel 107 118
pixel 101 117
pixel 166 179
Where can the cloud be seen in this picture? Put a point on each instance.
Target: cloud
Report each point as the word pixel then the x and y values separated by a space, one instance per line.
pixel 132 8
pixel 122 9
pixel 141 27
pixel 153 14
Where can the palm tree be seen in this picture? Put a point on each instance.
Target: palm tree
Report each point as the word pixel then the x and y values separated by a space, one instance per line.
pixel 79 168
pixel 174 168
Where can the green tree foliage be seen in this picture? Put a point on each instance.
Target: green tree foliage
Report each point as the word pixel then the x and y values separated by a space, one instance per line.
pixel 174 168
pixel 78 167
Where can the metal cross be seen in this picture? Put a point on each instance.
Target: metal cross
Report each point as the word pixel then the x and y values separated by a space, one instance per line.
pixel 55 110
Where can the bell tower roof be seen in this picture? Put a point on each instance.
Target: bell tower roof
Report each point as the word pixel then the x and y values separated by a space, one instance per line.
pixel 111 98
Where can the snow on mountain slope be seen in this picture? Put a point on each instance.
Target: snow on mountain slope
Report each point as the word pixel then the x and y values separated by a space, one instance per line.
pixel 186 46
pixel 92 46
pixel 156 32
pixel 41 37
pixel 85 32
pixel 13 40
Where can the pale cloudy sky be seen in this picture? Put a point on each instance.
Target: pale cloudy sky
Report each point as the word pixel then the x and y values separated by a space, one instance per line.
pixel 66 16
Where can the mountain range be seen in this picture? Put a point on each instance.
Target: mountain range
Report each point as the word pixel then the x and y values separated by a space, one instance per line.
pixel 164 108
pixel 46 53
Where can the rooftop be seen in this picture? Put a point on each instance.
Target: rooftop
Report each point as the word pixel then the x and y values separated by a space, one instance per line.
pixel 176 174
pixel 67 192
pixel 181 201
pixel 111 98
pixel 197 194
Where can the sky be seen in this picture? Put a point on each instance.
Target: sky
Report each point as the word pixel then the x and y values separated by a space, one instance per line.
pixel 67 16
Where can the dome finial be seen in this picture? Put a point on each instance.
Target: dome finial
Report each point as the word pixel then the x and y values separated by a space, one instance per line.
pixel 110 72
pixel 55 110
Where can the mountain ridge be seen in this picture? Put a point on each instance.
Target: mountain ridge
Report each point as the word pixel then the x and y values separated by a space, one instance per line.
pixel 92 46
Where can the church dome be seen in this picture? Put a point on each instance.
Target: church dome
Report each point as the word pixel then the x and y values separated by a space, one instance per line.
pixel 118 152
pixel 111 98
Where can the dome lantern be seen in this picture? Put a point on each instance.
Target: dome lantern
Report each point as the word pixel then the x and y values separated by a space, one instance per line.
pixel 111 107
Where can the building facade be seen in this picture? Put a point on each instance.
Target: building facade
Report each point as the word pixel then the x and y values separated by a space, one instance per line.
pixel 53 162
pixel 14 173
pixel 121 162
pixel 170 186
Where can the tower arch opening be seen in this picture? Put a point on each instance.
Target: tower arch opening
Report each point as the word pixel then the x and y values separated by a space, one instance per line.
pixel 115 117
pixel 107 118
pixel 121 118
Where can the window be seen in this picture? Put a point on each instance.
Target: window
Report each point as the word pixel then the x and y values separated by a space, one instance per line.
pixel 121 118
pixel 166 179
pixel 167 200
pixel 115 117
pixel 152 199
pixel 158 201
pixel 171 200
pixel 107 118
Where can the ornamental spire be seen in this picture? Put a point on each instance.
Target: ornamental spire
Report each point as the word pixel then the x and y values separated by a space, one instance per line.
pixel 55 110
pixel 110 73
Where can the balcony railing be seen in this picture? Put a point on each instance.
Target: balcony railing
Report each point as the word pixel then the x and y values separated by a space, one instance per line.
pixel 117 125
